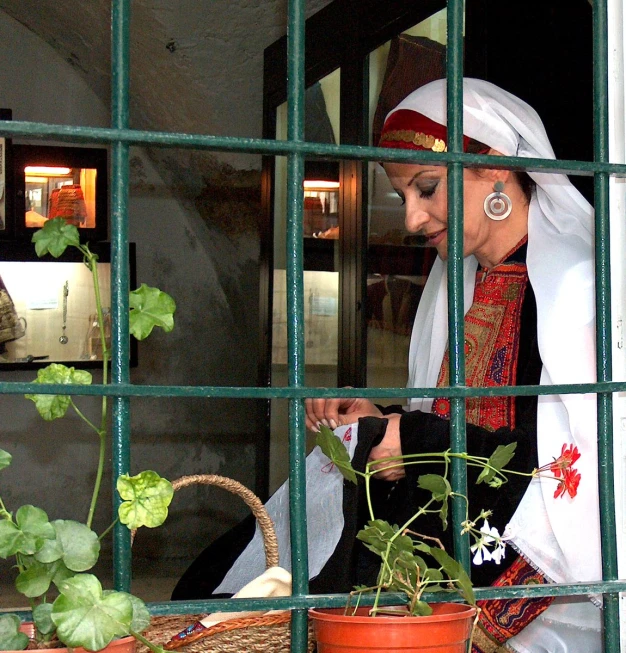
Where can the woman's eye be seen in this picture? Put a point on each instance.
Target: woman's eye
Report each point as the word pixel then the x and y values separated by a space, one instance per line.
pixel 401 196
pixel 427 190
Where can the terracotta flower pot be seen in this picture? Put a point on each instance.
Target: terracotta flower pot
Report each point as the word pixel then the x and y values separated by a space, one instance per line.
pixel 123 645
pixel 447 630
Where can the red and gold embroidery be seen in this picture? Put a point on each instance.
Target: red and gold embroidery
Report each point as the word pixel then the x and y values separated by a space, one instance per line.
pixel 492 327
pixel 501 619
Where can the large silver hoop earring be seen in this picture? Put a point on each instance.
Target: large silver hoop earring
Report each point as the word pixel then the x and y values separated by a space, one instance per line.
pixel 498 204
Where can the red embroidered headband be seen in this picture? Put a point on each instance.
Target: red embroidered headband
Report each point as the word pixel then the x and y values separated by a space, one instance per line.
pixel 410 130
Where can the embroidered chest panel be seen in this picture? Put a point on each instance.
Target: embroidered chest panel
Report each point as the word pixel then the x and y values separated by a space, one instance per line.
pixel 492 327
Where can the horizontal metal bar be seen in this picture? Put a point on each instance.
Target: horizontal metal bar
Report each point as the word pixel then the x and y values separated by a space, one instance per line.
pixel 387 598
pixel 217 392
pixel 284 147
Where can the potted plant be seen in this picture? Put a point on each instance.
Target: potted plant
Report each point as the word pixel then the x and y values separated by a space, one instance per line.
pixel 414 564
pixel 53 557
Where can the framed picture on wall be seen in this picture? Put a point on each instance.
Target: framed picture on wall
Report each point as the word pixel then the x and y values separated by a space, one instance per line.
pixel 66 182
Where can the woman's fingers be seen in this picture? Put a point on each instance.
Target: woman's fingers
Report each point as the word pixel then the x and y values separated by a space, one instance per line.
pixel 326 411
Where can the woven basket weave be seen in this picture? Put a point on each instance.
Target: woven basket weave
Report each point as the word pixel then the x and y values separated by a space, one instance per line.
pixel 256 634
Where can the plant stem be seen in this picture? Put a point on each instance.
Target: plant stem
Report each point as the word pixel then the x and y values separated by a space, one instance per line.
pixel 80 414
pixel 104 533
pixel 91 260
pixel 143 640
pixel 98 482
pixel 4 513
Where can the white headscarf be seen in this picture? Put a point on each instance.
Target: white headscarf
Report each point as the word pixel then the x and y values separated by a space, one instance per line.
pixel 560 537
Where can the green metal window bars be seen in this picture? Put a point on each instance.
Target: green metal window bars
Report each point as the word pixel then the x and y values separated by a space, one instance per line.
pixel 295 149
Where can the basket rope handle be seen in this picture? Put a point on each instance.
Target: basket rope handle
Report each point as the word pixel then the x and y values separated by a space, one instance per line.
pixel 270 543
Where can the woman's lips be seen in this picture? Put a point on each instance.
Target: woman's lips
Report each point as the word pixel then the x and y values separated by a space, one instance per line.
pixel 436 238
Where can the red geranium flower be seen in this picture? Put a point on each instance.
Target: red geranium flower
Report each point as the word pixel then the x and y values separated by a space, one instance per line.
pixel 569 455
pixel 569 483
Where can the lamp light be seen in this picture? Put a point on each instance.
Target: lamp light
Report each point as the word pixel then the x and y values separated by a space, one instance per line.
pixel 46 171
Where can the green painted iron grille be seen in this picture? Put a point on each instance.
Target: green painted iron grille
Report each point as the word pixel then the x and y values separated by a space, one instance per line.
pixel 295 149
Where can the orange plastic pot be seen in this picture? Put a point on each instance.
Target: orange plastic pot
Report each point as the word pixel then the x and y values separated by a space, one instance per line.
pixel 123 645
pixel 447 630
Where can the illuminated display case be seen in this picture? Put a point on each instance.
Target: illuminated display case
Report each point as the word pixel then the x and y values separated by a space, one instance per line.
pixel 52 182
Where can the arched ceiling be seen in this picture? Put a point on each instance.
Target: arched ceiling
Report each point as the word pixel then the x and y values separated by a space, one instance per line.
pixel 196 65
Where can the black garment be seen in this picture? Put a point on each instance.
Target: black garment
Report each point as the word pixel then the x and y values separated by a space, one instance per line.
pixel 420 432
pixel 351 562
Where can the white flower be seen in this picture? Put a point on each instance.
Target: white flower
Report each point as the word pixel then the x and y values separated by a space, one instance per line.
pixel 480 550
pixel 498 552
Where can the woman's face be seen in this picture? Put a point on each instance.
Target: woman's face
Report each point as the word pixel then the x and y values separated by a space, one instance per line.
pixel 423 190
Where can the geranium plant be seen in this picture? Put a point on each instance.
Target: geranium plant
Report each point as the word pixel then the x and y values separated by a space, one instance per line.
pixel 414 564
pixel 69 606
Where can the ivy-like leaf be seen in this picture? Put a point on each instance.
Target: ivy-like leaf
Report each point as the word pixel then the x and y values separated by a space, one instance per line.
pixel 55 237
pixel 10 539
pixel 455 573
pixel 141 615
pixel 150 307
pixel 376 534
pixel 146 499
pixel 498 459
pixel 334 449
pixel 80 545
pixel 35 527
pixel 52 407
pixel 436 484
pixel 27 535
pixel 11 639
pixel 85 616
pixel 42 618
pixel 5 458
pixel 33 521
pixel 35 579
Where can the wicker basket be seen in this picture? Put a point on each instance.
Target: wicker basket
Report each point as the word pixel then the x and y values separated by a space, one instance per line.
pixel 256 634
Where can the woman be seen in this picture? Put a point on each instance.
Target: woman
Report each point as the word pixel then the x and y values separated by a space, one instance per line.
pixel 529 304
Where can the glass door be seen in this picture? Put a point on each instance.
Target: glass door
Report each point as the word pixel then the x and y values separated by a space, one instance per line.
pixel 321 263
pixel 398 263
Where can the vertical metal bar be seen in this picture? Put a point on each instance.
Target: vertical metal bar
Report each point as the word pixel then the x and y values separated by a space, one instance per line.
pixel 120 76
pixel 295 318
pixel 603 325
pixel 455 270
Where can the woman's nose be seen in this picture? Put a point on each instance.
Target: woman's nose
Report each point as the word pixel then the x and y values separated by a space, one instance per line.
pixel 415 218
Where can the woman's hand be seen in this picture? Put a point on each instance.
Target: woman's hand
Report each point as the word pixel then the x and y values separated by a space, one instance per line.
pixel 389 447
pixel 337 412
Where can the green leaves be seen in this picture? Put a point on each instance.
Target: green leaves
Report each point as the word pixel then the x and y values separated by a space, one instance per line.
pixel 27 534
pixel 55 237
pixel 86 616
pixel 42 616
pixel 52 407
pixel 150 307
pixel 5 459
pixel 146 499
pixel 11 639
pixel 336 451
pixel 441 490
pixel 455 573
pixel 78 545
pixel 497 461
